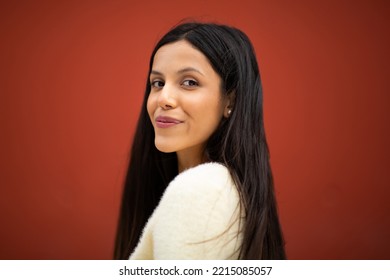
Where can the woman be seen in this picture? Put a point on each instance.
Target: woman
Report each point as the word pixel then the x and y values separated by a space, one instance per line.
pixel 199 183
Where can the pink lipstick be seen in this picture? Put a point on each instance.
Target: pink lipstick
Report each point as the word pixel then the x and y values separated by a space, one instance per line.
pixel 165 122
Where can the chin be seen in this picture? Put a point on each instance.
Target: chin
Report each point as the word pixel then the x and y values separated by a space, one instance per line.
pixel 164 148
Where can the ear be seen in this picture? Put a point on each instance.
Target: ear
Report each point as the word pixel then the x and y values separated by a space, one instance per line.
pixel 229 104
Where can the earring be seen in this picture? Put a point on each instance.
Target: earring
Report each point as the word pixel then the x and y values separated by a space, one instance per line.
pixel 229 112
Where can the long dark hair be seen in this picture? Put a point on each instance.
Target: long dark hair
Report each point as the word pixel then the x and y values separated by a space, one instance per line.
pixel 239 143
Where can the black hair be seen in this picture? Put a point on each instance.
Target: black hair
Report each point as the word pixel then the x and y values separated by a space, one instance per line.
pixel 239 143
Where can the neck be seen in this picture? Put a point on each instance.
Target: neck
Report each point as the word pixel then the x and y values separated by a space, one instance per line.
pixel 190 158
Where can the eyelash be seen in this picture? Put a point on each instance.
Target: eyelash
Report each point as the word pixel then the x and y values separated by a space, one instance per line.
pixel 157 83
pixel 153 84
pixel 195 83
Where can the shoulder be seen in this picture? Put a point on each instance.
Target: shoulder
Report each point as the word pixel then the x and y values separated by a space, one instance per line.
pixel 208 177
pixel 209 168
pixel 205 193
pixel 212 174
pixel 197 217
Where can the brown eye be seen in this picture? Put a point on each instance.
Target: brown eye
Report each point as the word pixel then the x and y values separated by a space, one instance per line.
pixel 190 83
pixel 157 84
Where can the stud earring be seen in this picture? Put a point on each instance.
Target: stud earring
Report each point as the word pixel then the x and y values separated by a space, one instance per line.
pixel 229 112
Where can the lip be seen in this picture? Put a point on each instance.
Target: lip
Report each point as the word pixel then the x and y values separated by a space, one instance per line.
pixel 165 122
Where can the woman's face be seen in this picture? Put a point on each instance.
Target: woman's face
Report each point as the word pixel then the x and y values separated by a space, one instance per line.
pixel 185 103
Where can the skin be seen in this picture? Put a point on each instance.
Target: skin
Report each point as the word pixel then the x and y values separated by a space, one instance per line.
pixel 184 86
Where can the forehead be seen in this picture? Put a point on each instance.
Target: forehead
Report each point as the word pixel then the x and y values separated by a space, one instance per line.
pixel 181 54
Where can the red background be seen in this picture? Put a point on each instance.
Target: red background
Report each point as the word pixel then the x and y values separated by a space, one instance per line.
pixel 72 80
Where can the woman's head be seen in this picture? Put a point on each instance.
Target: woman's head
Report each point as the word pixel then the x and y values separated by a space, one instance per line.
pixel 230 56
pixel 185 103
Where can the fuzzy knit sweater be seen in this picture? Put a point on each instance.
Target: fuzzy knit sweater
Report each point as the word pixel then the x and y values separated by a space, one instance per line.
pixel 197 218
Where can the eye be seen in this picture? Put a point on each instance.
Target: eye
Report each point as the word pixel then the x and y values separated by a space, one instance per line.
pixel 157 84
pixel 190 83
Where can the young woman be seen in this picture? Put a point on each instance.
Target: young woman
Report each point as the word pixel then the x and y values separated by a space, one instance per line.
pixel 199 183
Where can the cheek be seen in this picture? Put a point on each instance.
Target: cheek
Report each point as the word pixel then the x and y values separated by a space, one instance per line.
pixel 208 114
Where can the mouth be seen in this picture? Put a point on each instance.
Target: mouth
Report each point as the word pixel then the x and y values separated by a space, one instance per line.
pixel 165 122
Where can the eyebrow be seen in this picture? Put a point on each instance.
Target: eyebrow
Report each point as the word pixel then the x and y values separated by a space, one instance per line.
pixel 184 70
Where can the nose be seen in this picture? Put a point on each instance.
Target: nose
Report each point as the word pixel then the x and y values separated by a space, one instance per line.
pixel 167 98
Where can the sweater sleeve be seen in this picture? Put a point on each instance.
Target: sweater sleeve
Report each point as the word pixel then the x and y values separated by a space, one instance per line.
pixel 198 216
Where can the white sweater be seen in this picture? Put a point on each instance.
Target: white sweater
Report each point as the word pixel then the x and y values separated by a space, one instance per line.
pixel 197 218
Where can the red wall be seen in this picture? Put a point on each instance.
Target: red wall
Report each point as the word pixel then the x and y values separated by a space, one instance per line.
pixel 71 83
